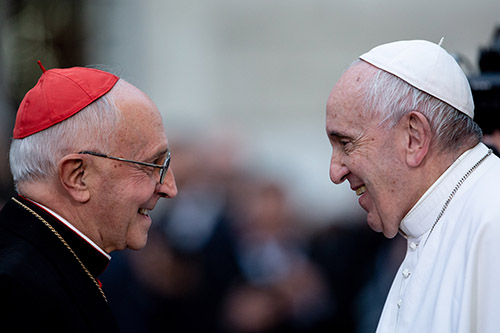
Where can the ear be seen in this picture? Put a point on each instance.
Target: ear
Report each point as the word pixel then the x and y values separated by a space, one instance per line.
pixel 72 174
pixel 418 133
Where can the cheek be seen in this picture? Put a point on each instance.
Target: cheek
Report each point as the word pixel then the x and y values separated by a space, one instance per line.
pixel 388 208
pixel 135 189
pixel 384 194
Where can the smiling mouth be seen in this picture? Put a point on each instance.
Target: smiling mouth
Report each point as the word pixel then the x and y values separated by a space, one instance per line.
pixel 360 190
pixel 143 211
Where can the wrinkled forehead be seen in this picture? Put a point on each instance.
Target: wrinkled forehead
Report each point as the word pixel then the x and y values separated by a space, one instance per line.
pixel 347 107
pixel 351 87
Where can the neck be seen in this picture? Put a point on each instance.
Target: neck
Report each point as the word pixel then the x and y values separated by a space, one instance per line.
pixel 52 197
pixel 428 172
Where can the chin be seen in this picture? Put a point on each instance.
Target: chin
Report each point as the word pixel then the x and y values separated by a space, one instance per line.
pixel 390 234
pixel 378 225
pixel 138 244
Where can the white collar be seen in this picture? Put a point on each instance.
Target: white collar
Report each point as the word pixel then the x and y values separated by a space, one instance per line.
pixel 420 218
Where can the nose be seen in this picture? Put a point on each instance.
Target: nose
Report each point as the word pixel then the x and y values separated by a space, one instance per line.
pixel 169 188
pixel 338 170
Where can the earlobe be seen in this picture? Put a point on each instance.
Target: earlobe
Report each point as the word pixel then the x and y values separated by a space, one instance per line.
pixel 72 177
pixel 418 131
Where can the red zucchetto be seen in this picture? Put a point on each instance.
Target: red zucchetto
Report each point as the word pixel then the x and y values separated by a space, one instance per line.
pixel 59 94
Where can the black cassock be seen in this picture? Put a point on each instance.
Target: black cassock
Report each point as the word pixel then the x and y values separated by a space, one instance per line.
pixel 43 287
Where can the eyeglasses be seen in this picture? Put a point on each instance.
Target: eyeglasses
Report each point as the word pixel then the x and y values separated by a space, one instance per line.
pixel 163 168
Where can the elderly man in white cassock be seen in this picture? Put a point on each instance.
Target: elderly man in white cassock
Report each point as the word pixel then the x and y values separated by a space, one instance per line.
pixel 400 123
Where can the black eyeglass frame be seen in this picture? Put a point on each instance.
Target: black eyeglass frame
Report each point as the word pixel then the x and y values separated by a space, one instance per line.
pixel 163 168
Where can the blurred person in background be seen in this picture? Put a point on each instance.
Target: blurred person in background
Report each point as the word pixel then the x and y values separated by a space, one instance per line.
pixel 358 266
pixel 90 160
pixel 280 289
pixel 486 92
pixel 400 123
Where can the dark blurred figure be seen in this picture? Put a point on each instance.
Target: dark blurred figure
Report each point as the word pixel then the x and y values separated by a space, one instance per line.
pixel 280 289
pixel 359 266
pixel 486 92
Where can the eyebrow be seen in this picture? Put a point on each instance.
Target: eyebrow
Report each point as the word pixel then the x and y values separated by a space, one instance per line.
pixel 336 134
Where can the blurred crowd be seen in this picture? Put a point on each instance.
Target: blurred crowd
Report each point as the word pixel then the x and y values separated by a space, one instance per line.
pixel 228 254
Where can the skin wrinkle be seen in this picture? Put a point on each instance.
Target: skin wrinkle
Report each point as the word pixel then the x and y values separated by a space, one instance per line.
pixel 368 159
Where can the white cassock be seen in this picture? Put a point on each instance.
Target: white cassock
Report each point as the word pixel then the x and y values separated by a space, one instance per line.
pixel 449 280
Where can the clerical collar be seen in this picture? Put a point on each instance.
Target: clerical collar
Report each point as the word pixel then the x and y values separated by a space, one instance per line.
pixel 420 218
pixel 70 226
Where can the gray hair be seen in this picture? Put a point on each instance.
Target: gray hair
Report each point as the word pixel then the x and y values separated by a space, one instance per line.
pixel 390 98
pixel 36 157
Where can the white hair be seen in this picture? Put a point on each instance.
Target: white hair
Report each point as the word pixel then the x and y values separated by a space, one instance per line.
pixel 36 157
pixel 390 98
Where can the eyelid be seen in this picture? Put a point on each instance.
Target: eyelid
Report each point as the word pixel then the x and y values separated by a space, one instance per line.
pixel 154 160
pixel 338 136
pixel 342 140
pixel 159 157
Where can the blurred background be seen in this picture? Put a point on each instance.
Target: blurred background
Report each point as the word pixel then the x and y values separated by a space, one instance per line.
pixel 258 239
